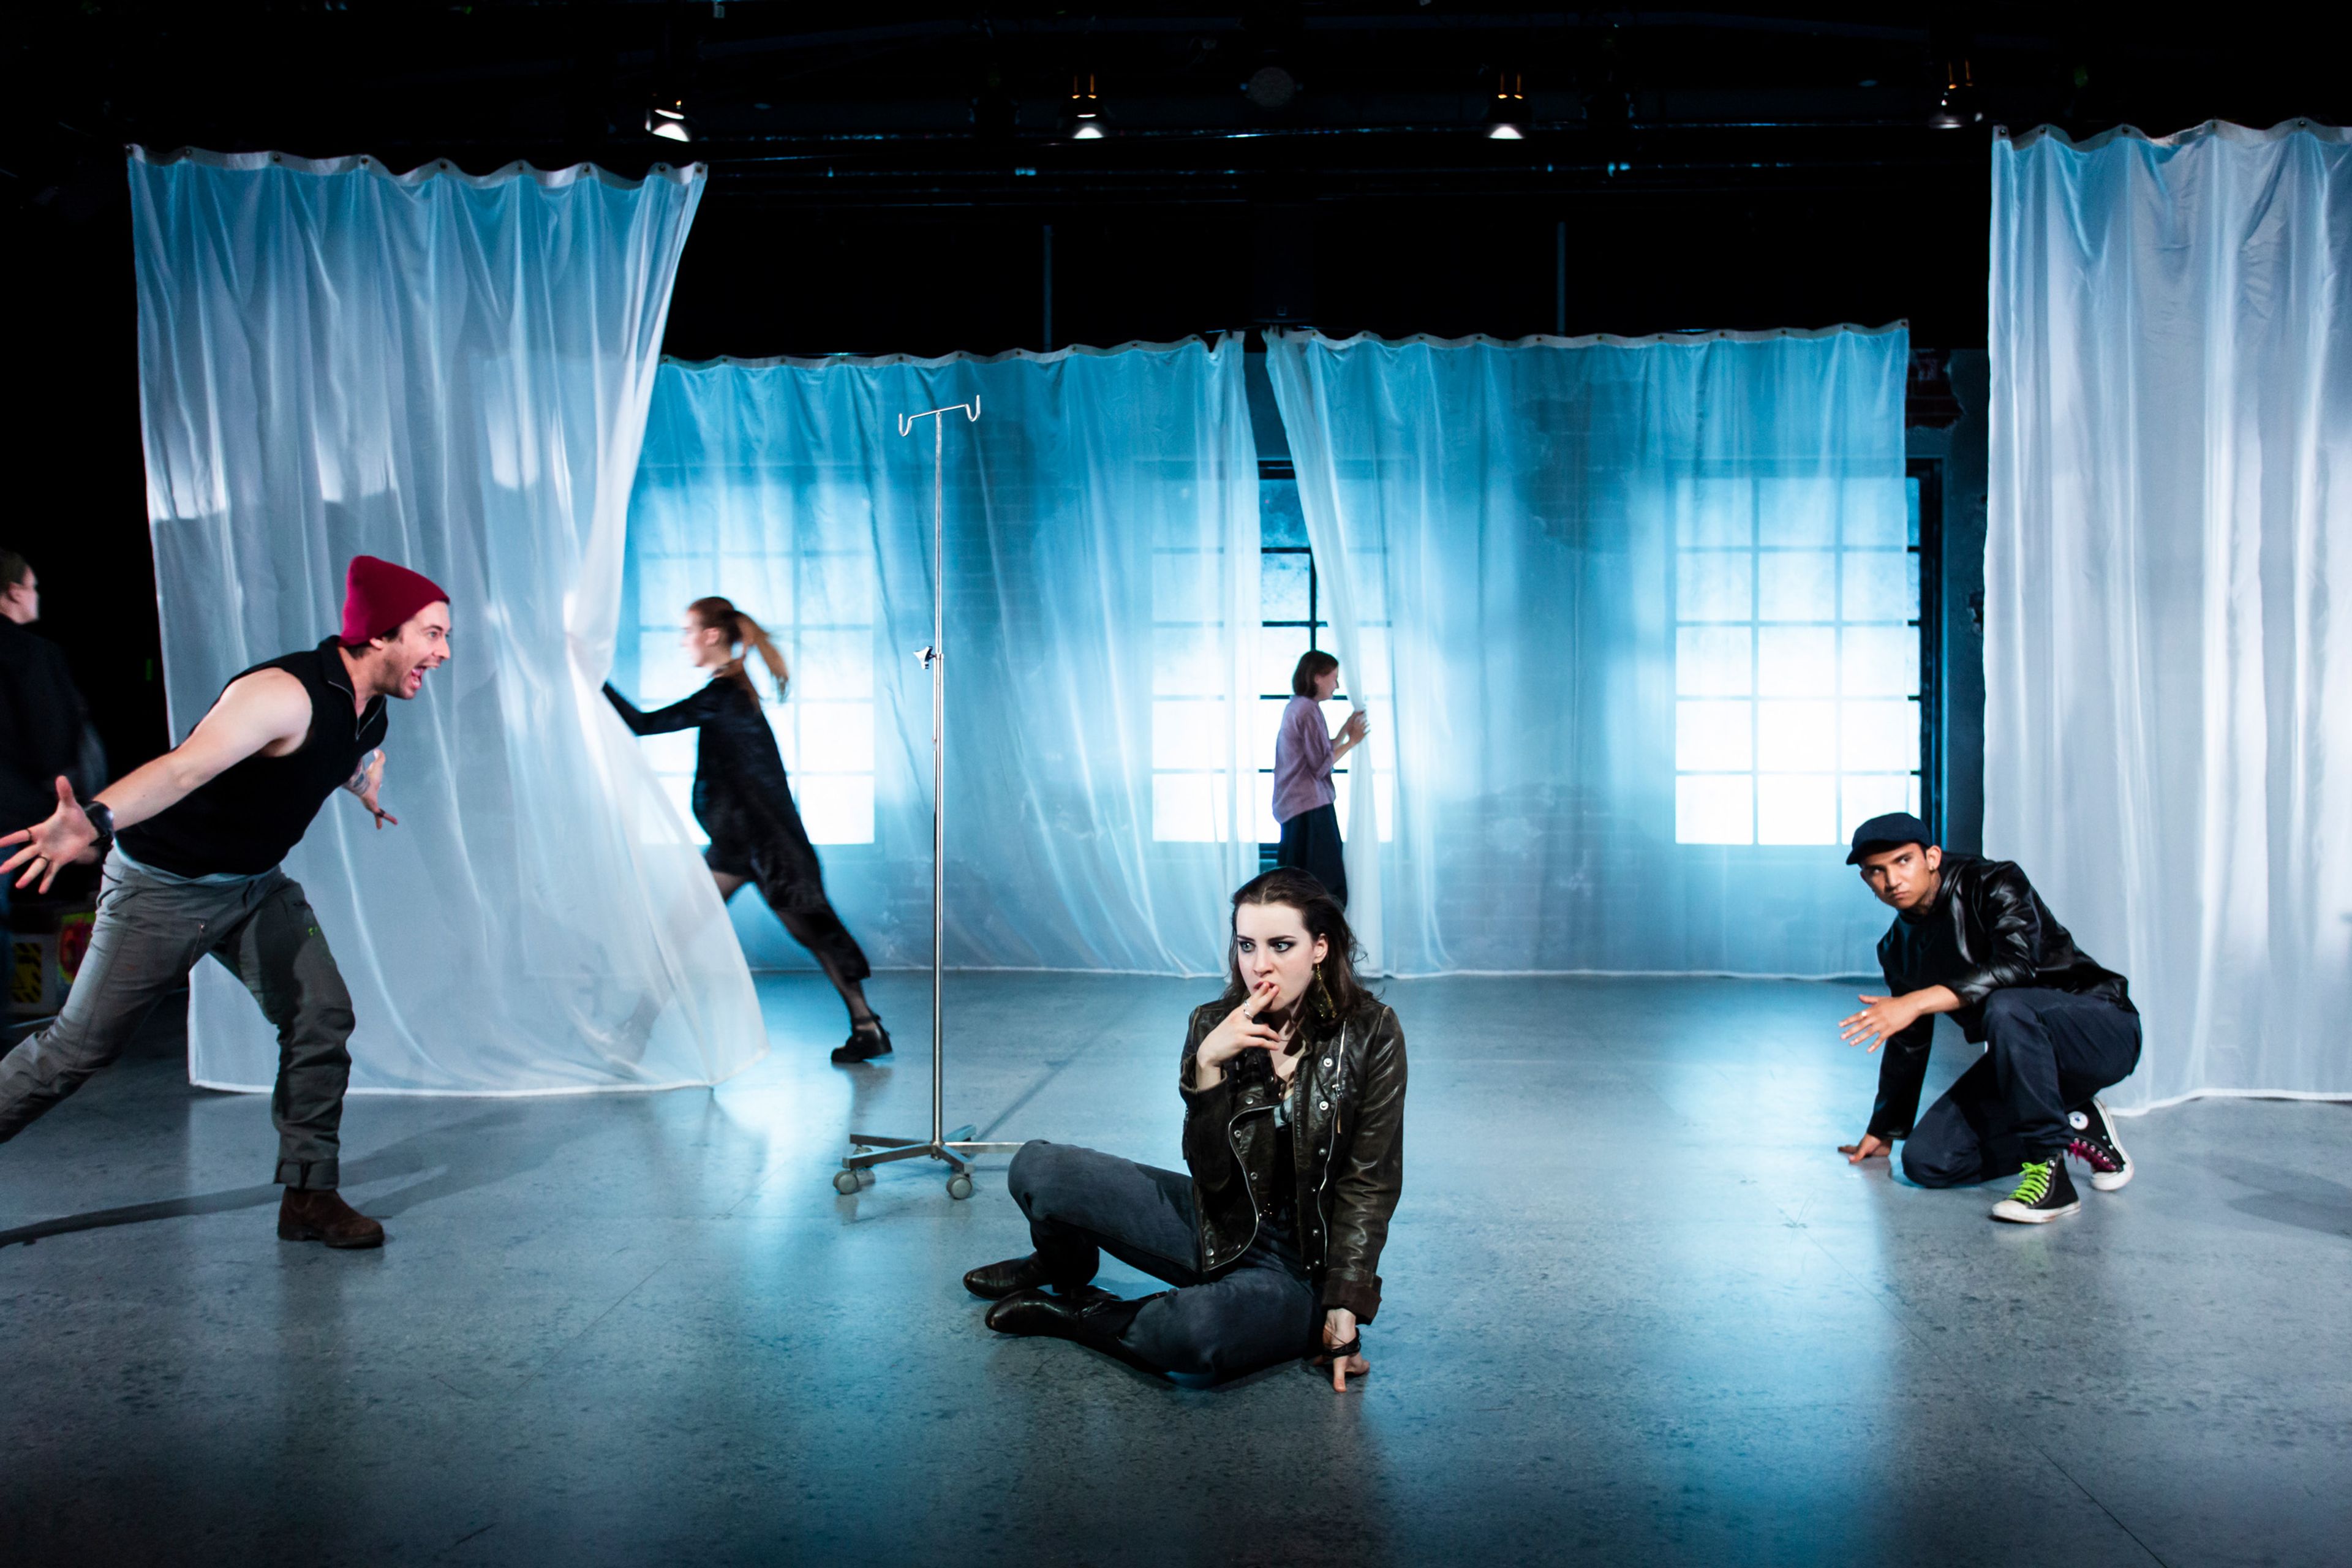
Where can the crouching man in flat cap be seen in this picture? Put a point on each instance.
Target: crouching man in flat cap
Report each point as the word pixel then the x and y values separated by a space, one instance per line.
pixel 1972 938
pixel 192 842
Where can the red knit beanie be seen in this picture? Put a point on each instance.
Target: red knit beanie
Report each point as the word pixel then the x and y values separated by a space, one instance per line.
pixel 379 598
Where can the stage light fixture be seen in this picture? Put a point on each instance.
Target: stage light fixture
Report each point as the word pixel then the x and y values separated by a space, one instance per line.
pixel 1085 114
pixel 667 119
pixel 1955 106
pixel 1507 117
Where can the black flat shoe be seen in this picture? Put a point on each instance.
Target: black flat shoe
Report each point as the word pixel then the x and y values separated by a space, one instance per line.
pixel 867 1041
pixel 995 1281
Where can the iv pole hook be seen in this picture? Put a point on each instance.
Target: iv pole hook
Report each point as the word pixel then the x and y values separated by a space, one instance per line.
pixel 971 410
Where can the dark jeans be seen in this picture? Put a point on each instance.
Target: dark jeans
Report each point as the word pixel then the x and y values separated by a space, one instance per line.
pixel 151 930
pixel 1310 843
pixel 2046 1052
pixel 1081 1203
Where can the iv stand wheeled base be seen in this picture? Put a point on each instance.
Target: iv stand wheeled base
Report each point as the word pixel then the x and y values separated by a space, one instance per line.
pixel 866 1150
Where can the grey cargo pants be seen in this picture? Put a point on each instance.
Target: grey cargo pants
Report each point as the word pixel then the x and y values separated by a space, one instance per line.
pixel 151 928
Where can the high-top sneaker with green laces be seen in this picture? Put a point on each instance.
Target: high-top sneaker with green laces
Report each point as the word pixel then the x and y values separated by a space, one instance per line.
pixel 2044 1192
pixel 2095 1144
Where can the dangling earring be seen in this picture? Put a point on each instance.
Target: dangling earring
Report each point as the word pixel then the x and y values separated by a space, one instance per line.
pixel 1323 1007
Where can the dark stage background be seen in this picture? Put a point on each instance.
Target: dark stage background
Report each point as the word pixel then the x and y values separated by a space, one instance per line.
pixel 901 179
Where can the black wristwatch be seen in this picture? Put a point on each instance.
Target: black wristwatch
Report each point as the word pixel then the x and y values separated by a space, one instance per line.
pixel 101 816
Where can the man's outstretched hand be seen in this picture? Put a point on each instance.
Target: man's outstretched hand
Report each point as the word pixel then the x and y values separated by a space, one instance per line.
pixel 365 782
pixel 1872 1147
pixel 66 836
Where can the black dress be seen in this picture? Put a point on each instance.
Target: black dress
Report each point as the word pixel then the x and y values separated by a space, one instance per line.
pixel 744 803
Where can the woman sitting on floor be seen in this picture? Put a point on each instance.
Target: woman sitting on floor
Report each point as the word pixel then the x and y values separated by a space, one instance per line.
pixel 1294 1130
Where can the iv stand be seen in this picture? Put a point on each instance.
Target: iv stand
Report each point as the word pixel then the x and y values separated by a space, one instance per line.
pixel 867 1149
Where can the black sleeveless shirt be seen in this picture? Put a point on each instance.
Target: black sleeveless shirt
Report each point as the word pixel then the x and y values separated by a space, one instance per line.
pixel 245 820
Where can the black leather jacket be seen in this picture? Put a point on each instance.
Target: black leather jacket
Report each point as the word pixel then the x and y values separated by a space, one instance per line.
pixel 1348 1143
pixel 741 794
pixel 2007 937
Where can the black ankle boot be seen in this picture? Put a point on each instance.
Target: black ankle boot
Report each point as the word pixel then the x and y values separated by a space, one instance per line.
pixel 995 1281
pixel 1086 1316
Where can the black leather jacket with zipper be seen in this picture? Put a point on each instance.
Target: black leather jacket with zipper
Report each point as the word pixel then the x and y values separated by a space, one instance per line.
pixel 2005 936
pixel 1348 1150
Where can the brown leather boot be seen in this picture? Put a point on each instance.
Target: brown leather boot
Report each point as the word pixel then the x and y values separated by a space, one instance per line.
pixel 319 1214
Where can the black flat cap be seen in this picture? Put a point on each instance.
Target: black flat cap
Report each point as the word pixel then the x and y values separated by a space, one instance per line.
pixel 1888 832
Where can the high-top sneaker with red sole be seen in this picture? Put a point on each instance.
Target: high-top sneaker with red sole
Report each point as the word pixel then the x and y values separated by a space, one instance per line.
pixel 2093 1131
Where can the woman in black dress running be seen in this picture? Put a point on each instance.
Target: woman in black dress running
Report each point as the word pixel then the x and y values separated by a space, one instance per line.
pixel 743 802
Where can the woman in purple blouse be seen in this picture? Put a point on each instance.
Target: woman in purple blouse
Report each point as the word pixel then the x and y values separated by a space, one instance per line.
pixel 1303 758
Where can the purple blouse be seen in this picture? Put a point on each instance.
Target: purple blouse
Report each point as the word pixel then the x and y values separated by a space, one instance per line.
pixel 1302 761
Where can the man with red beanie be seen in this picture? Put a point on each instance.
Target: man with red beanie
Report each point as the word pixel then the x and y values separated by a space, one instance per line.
pixel 196 837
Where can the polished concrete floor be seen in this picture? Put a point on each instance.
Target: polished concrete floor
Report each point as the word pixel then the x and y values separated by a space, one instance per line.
pixel 1637 1312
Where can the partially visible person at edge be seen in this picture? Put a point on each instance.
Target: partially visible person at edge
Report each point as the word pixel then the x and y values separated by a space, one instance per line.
pixel 42 718
pixel 1971 937
pixel 1304 756
pixel 192 843
pixel 744 803
pixel 1293 1137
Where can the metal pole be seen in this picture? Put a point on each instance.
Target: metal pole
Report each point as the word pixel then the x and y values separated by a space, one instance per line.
pixel 955 1149
pixel 939 777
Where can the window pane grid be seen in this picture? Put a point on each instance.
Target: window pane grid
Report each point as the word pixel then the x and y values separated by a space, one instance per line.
pixel 1795 669
pixel 1190 734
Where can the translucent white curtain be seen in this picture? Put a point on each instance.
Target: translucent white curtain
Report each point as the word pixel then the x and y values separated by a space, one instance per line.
pixel 1630 621
pixel 451 373
pixel 2168 668
pixel 1102 579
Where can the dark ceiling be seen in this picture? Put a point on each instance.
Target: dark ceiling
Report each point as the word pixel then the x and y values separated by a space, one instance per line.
pixel 1743 167
pixel 872 104
pixel 884 178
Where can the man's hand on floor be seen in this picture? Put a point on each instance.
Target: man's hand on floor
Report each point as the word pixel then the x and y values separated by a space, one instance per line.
pixel 1872 1147
pixel 1339 1329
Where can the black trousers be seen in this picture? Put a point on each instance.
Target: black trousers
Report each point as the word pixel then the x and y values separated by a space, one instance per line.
pixel 787 877
pixel 2046 1052
pixel 1081 1203
pixel 1310 843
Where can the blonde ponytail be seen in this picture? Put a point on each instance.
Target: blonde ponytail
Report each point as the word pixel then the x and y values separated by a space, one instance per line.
pixel 749 632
